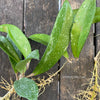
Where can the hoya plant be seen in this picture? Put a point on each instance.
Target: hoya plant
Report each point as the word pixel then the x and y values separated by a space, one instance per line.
pixel 71 26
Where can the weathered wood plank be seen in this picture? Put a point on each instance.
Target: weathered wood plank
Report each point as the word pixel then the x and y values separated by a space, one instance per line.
pixel 76 73
pixel 39 18
pixel 98 32
pixel 97 38
pixel 11 12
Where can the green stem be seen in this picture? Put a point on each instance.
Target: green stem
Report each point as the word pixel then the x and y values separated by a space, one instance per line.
pixel 97 14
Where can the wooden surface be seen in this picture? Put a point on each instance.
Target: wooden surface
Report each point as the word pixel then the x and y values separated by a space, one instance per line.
pixel 97 38
pixel 98 32
pixel 38 16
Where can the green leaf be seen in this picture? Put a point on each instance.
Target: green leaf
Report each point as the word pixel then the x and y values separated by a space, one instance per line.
pixel 97 13
pixel 17 37
pixel 26 88
pixel 21 66
pixel 7 47
pixel 81 26
pixel 14 46
pixel 13 64
pixel 44 39
pixel 96 19
pixel 59 40
pixel 41 38
pixel 66 54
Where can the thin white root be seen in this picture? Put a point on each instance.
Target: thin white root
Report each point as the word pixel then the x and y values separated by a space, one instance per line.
pixel 0 98
pixel 93 88
pixel 97 35
pixel 7 96
pixel 30 75
pixel 43 82
pixel 8 87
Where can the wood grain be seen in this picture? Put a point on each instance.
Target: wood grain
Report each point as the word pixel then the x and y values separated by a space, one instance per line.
pixel 97 39
pixel 76 73
pixel 98 32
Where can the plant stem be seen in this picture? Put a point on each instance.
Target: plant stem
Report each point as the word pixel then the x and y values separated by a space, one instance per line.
pixel 27 66
pixel 16 76
pixel 30 75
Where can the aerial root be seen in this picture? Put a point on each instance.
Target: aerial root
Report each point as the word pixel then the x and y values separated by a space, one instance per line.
pixel 43 82
pixel 89 94
pixel 8 87
pixel 93 88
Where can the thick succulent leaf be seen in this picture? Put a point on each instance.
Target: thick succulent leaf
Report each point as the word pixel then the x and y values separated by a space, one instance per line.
pixel 59 40
pixel 21 66
pixel 13 64
pixel 81 26
pixel 41 38
pixel 14 46
pixel 26 88
pixel 96 17
pixel 44 39
pixel 17 37
pixel 7 47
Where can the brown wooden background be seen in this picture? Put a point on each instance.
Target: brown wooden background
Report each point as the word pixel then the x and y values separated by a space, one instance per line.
pixel 38 16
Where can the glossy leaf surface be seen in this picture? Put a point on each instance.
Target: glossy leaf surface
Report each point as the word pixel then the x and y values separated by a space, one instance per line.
pixel 44 39
pixel 81 26
pixel 59 40
pixel 17 37
pixel 26 88
pixel 13 64
pixel 14 46
pixel 7 47
pixel 21 66
pixel 41 38
pixel 12 61
pixel 96 17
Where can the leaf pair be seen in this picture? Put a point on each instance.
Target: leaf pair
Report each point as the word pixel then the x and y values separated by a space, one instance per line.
pixel 79 29
pixel 10 50
pixel 79 32
pixel 17 37
pixel 14 42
